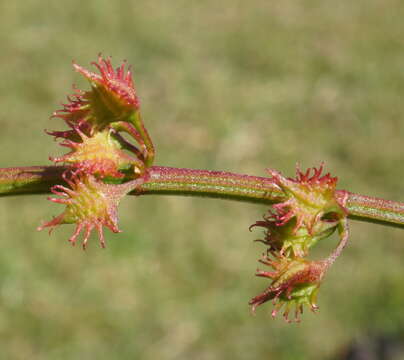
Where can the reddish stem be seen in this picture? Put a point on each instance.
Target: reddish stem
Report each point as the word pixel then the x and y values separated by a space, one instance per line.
pixel 212 184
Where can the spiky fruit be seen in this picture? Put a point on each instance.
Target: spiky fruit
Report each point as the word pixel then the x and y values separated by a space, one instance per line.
pixel 90 204
pixel 100 155
pixel 295 283
pixel 99 151
pixel 112 97
pixel 292 242
pixel 110 106
pixel 310 199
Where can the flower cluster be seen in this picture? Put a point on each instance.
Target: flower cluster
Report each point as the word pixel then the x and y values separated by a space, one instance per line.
pixel 99 153
pixel 110 155
pixel 309 212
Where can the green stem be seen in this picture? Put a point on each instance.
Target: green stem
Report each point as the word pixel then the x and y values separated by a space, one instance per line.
pixel 29 180
pixel 376 210
pixel 211 184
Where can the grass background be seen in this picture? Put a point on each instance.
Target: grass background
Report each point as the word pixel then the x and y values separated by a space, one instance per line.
pixel 230 85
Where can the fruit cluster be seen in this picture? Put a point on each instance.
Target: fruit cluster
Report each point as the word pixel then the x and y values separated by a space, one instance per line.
pixel 310 212
pixel 102 165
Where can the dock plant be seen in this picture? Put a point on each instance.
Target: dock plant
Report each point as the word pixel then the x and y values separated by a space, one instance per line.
pixel 110 154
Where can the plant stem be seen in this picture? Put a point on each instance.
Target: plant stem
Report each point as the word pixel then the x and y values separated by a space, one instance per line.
pixel 29 180
pixel 211 184
pixel 376 210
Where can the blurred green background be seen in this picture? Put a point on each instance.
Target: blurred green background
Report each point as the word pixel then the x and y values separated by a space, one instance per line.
pixel 225 85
